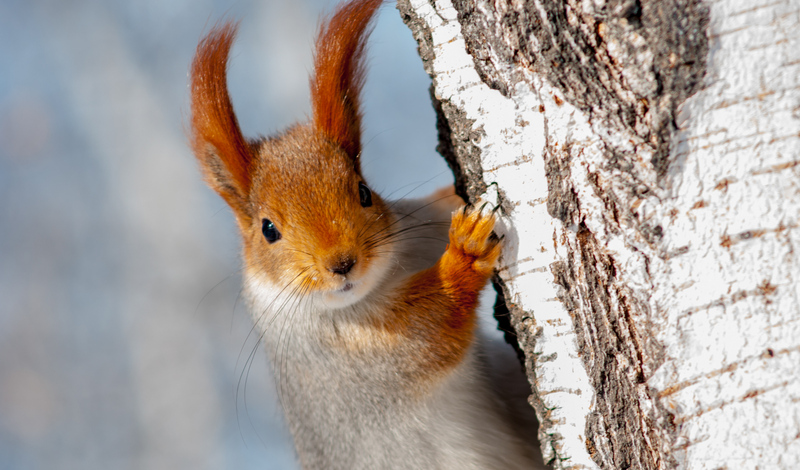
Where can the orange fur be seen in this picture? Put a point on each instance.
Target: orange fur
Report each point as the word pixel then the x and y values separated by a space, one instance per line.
pixel 355 347
pixel 339 73
pixel 305 181
pixel 307 186
pixel 440 303
pixel 217 141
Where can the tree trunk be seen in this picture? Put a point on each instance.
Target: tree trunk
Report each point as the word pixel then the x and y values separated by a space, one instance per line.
pixel 645 155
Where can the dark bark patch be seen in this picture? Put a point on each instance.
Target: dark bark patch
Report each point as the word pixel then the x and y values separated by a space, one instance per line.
pixel 562 200
pixel 617 350
pixel 455 145
pixel 626 63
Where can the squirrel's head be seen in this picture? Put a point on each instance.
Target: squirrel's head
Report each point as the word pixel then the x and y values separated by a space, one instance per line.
pixel 309 221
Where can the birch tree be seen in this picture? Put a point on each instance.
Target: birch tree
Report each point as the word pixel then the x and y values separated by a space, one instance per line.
pixel 645 156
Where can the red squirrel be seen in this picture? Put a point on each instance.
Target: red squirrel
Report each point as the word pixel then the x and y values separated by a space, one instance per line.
pixel 367 307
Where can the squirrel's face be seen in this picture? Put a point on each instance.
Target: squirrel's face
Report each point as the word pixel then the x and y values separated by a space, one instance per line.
pixel 311 225
pixel 315 226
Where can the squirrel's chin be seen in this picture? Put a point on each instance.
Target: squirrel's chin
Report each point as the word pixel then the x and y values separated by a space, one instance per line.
pixel 353 291
pixel 349 294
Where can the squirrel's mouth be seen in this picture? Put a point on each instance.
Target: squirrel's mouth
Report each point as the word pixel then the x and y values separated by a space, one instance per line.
pixel 353 287
pixel 347 287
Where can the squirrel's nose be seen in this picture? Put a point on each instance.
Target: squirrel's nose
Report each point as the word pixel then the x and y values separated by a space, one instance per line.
pixel 343 265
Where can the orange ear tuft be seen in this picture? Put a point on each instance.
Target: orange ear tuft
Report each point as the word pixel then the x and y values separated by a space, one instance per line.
pixel 339 73
pixel 217 141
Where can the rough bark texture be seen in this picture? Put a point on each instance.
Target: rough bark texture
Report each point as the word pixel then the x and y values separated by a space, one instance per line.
pixel 612 63
pixel 627 62
pixel 454 130
pixel 454 127
pixel 599 129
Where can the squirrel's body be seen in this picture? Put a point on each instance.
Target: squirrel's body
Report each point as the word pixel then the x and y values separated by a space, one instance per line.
pixel 367 308
pixel 352 398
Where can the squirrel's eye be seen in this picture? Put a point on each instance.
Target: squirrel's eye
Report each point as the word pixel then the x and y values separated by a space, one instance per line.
pixel 365 195
pixel 270 232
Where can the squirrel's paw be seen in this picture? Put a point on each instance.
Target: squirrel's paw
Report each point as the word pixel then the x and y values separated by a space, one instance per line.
pixel 471 236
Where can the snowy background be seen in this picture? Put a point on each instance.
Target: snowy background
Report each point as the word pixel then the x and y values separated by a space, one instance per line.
pixel 122 344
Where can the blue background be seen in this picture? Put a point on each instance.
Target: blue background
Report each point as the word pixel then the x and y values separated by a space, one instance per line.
pixel 122 341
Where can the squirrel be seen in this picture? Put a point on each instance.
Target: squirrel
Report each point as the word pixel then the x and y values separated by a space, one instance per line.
pixel 367 307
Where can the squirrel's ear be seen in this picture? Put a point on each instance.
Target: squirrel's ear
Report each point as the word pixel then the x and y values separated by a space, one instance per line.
pixel 339 73
pixel 224 154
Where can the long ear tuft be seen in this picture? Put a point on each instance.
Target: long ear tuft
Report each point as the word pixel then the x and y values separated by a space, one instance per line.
pixel 217 140
pixel 339 73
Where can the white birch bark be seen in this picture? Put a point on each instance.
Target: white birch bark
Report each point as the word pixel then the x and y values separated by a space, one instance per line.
pixel 650 219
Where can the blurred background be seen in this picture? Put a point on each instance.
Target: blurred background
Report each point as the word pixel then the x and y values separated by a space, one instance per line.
pixel 122 341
